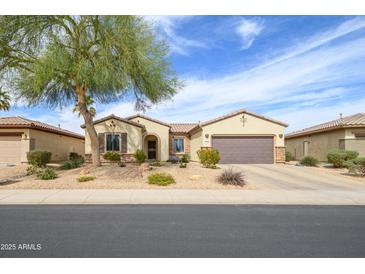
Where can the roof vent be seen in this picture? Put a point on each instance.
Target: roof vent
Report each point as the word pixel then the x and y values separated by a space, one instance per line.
pixel 59 125
pixel 341 116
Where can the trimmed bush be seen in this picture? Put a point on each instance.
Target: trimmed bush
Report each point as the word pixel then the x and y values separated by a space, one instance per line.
pixel 47 174
pixel 183 165
pixel 85 178
pixel 161 179
pixel 140 156
pixel 338 157
pixel 288 156
pixel 121 164
pixel 309 161
pixel 356 166
pixel 209 157
pixel 75 161
pixel 156 163
pixel 185 158
pixel 39 158
pixel 231 177
pixel 33 170
pixel 112 156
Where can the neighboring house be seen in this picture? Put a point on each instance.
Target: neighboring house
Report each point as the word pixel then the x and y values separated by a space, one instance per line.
pixel 241 137
pixel 19 135
pixel 343 133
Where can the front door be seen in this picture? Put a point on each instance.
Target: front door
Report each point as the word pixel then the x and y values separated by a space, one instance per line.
pixel 151 147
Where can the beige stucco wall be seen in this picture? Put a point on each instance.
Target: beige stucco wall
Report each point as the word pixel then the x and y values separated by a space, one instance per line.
pixel 59 145
pixel 318 146
pixel 196 141
pixel 24 143
pixel 134 134
pixel 234 126
pixel 157 129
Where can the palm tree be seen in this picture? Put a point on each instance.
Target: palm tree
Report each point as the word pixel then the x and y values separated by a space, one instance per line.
pixel 4 100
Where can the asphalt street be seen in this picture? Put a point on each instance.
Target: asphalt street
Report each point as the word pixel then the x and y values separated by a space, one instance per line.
pixel 181 231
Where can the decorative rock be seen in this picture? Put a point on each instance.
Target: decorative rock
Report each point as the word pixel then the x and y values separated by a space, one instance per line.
pixel 195 177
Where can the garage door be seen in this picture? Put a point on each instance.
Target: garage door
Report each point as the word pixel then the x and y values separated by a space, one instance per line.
pixel 10 149
pixel 245 149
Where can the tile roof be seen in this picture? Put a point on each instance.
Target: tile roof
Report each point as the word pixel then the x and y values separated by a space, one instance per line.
pixel 356 120
pixel 226 116
pixel 147 118
pixel 182 127
pixel 21 122
pixel 112 116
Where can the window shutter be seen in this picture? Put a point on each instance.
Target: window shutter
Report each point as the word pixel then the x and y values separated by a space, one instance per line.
pixel 101 140
pixel 123 142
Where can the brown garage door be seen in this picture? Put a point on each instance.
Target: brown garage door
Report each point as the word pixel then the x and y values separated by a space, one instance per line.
pixel 245 149
pixel 10 149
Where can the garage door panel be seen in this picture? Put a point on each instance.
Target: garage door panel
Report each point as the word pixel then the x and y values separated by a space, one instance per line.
pixel 10 149
pixel 245 149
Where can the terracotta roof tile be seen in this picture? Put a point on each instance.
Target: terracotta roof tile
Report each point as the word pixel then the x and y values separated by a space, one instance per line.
pixel 356 120
pixel 19 122
pixel 182 127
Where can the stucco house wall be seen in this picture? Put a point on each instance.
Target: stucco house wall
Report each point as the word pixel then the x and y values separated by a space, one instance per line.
pixel 162 131
pixel 59 145
pixel 134 134
pixel 318 144
pixel 196 141
pixel 234 126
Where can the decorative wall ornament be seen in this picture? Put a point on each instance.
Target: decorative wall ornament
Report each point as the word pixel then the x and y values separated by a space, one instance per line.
pixel 243 120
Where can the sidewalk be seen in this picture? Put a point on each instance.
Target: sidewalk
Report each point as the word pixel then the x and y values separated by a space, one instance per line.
pixel 183 196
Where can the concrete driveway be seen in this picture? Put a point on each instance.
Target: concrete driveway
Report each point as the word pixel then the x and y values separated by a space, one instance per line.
pixel 289 177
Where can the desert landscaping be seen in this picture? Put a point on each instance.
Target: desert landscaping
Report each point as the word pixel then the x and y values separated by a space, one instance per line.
pixel 109 176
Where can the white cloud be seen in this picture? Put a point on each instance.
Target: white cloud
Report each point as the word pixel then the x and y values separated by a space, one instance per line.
pixel 248 30
pixel 168 26
pixel 307 84
pixel 311 74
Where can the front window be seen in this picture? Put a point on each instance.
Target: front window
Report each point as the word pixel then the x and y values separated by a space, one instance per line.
pixel 179 145
pixel 112 142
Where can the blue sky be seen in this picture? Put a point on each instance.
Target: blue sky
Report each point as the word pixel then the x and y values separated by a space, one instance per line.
pixel 302 70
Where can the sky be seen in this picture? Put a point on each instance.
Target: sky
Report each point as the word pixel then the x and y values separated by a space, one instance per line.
pixel 302 70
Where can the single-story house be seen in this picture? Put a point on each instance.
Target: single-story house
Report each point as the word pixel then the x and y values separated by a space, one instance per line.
pixel 19 135
pixel 240 137
pixel 343 133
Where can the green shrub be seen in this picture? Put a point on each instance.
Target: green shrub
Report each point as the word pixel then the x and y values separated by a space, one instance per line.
pixel 33 170
pixel 85 178
pixel 209 157
pixel 185 158
pixel 338 157
pixel 71 164
pixel 121 164
pixel 356 166
pixel 140 156
pixel 231 177
pixel 183 165
pixel 73 156
pixel 156 163
pixel 112 156
pixel 47 174
pixel 173 161
pixel 288 156
pixel 39 158
pixel 161 179
pixel 309 161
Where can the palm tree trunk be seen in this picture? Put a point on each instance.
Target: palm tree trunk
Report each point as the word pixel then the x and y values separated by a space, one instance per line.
pixel 88 119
